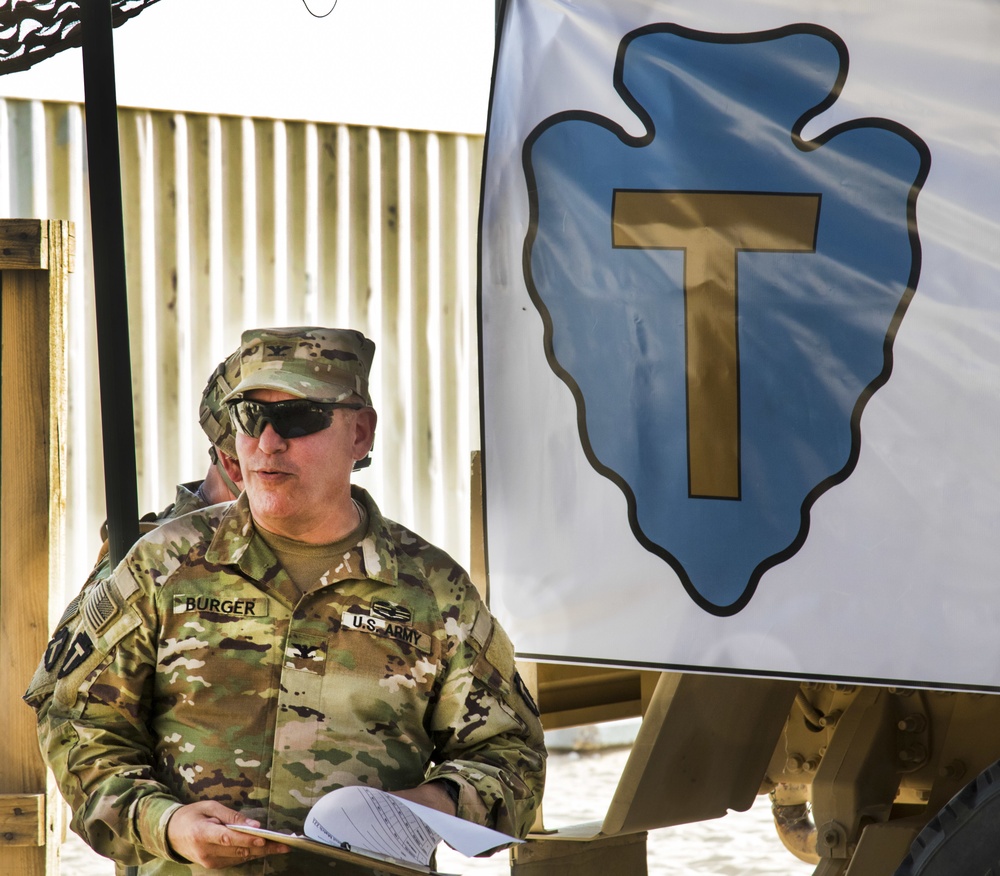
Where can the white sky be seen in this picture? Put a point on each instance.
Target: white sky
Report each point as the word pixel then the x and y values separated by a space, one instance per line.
pixel 421 64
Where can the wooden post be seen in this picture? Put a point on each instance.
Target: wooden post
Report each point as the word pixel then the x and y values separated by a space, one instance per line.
pixel 35 259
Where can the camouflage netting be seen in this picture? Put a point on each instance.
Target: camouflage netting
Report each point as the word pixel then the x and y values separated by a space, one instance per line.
pixel 33 31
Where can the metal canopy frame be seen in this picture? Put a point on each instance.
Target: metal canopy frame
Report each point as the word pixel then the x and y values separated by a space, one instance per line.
pixel 110 290
pixel 31 33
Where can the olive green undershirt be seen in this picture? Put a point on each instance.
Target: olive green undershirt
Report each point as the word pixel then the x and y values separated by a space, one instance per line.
pixel 307 564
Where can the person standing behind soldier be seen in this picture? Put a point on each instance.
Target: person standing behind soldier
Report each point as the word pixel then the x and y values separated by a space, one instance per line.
pixel 247 659
pixel 222 481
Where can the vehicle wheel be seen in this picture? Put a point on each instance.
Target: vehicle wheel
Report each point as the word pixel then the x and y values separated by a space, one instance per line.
pixel 962 839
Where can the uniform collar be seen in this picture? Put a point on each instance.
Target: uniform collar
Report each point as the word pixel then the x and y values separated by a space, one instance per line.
pixel 188 498
pixel 236 543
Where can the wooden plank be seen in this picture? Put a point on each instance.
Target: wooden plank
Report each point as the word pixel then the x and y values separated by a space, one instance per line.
pixel 24 517
pixel 22 820
pixel 24 545
pixel 28 245
pixel 24 245
pixel 32 426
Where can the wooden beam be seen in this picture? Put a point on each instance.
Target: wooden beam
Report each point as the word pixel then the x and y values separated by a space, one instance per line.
pixel 22 820
pixel 23 245
pixel 477 566
pixel 32 508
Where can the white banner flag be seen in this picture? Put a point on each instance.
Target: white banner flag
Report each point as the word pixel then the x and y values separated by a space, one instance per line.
pixel 740 323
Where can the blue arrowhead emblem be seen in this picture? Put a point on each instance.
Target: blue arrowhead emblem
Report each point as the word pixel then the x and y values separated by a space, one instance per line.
pixel 721 295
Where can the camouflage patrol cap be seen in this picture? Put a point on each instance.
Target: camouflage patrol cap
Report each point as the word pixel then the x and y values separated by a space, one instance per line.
pixel 212 413
pixel 321 364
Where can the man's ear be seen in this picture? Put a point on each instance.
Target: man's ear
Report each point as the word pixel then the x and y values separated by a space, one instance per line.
pixel 232 467
pixel 364 432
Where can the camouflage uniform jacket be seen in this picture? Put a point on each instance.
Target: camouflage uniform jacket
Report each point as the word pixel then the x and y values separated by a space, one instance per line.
pixel 198 672
pixel 186 500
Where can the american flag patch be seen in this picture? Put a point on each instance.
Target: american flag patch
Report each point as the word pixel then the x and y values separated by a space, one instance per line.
pixel 99 607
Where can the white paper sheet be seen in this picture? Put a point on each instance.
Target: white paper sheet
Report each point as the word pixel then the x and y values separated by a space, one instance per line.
pixel 377 821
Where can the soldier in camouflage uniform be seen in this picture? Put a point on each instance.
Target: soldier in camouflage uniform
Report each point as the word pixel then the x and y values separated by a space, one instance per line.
pixel 244 660
pixel 222 482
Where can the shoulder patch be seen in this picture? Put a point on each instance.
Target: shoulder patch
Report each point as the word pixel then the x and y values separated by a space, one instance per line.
pixel 80 650
pixel 55 648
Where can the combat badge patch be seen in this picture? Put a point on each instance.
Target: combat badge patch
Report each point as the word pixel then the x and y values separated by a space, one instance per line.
pixel 390 612
pixel 79 651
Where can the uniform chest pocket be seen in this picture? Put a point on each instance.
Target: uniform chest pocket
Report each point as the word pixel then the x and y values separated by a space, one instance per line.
pixel 200 630
pixel 399 654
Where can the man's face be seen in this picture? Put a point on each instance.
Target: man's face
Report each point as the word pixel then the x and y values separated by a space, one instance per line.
pixel 300 487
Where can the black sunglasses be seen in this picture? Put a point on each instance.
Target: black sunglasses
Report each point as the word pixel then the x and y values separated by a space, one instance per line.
pixel 290 419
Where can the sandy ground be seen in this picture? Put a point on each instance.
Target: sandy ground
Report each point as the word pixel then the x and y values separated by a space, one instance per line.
pixel 579 789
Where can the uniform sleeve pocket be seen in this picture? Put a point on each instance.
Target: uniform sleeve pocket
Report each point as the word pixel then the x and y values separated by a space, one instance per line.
pixel 496 668
pixel 494 664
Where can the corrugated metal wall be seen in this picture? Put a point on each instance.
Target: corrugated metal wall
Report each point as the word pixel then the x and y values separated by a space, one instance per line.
pixel 232 223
